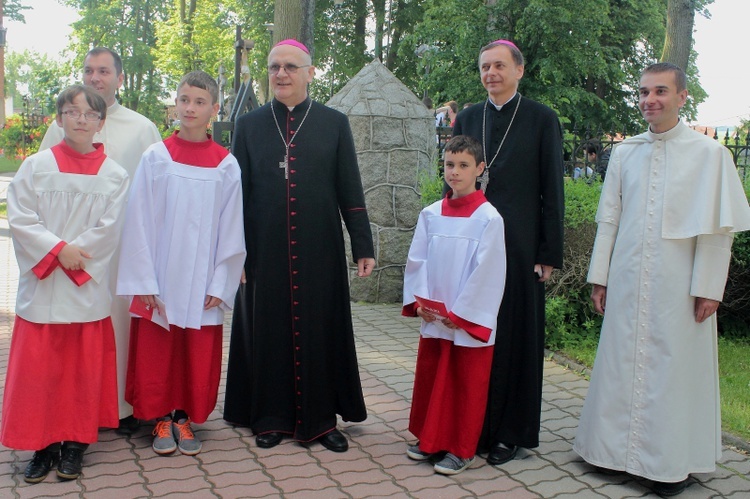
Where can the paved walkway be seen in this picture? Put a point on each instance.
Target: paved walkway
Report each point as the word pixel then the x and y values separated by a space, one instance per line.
pixel 232 466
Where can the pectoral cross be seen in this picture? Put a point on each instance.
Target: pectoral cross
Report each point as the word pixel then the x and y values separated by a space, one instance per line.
pixel 484 179
pixel 285 165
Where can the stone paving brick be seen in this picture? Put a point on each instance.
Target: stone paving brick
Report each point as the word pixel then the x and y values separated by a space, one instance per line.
pixel 385 489
pixel 557 485
pixel 728 485
pixel 488 486
pixel 313 483
pixel 233 491
pixel 336 468
pixel 331 493
pixel 135 491
pixel 244 479
pixel 164 488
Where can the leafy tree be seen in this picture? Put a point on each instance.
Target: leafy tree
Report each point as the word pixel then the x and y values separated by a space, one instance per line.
pixel 36 77
pixel 583 57
pixel 128 28
pixel 196 35
pixel 13 10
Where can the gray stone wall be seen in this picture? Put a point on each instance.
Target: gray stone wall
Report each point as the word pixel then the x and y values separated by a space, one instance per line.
pixel 394 135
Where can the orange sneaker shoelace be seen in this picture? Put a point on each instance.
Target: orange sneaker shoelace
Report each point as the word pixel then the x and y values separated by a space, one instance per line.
pixel 163 429
pixel 186 433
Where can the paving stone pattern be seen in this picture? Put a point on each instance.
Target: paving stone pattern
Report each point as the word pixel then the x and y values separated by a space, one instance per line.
pixel 232 466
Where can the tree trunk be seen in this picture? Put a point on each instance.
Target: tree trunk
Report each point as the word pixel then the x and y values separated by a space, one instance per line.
pixel 292 19
pixel 679 37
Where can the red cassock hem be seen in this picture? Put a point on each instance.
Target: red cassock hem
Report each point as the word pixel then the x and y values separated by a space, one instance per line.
pixel 175 369
pixel 61 384
pixel 450 396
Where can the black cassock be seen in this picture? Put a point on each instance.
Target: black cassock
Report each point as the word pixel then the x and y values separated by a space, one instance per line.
pixel 526 187
pixel 292 361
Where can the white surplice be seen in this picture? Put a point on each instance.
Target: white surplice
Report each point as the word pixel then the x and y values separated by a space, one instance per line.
pixel 46 206
pixel 669 207
pixel 461 262
pixel 183 237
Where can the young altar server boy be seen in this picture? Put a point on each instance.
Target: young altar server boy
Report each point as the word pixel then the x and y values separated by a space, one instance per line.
pixel 65 208
pixel 183 248
pixel 457 258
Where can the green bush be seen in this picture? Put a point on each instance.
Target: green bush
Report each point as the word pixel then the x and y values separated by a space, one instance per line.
pixel 19 141
pixel 571 319
pixel 430 186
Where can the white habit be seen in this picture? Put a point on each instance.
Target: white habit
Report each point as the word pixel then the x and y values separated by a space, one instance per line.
pixel 172 203
pixel 669 207
pixel 125 135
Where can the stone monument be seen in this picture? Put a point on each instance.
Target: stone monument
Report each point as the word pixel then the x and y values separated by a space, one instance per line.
pixel 394 135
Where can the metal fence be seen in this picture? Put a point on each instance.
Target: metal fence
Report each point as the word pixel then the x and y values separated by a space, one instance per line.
pixel 577 162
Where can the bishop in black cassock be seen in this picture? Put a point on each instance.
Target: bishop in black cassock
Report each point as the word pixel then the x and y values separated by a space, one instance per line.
pixel 292 361
pixel 525 186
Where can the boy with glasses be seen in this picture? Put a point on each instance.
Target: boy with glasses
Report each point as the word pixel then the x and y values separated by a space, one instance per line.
pixel 64 212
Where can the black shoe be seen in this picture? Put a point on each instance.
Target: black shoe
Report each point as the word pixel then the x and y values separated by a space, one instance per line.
pixel 669 489
pixel 128 425
pixel 334 440
pixel 41 464
pixel 501 453
pixel 71 460
pixel 268 440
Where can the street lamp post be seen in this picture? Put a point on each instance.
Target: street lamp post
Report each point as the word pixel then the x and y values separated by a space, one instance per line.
pixel 336 18
pixel 424 52
pixel 221 82
pixel 269 27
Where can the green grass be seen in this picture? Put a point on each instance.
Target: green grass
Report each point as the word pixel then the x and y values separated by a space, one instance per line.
pixel 734 380
pixel 3 210
pixel 9 164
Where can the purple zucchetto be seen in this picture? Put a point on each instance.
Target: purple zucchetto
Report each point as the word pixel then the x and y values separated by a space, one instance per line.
pixel 293 43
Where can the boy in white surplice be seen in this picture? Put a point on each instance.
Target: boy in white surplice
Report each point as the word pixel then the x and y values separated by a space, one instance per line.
pixel 457 259
pixel 65 209
pixel 183 243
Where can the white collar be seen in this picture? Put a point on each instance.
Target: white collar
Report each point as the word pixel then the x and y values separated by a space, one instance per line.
pixel 499 107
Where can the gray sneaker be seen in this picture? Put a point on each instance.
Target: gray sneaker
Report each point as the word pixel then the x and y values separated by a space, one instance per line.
pixel 415 453
pixel 164 442
pixel 452 464
pixel 187 442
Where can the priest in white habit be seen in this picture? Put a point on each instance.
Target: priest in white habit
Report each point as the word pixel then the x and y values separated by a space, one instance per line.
pixel 670 205
pixel 522 146
pixel 292 363
pixel 126 135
